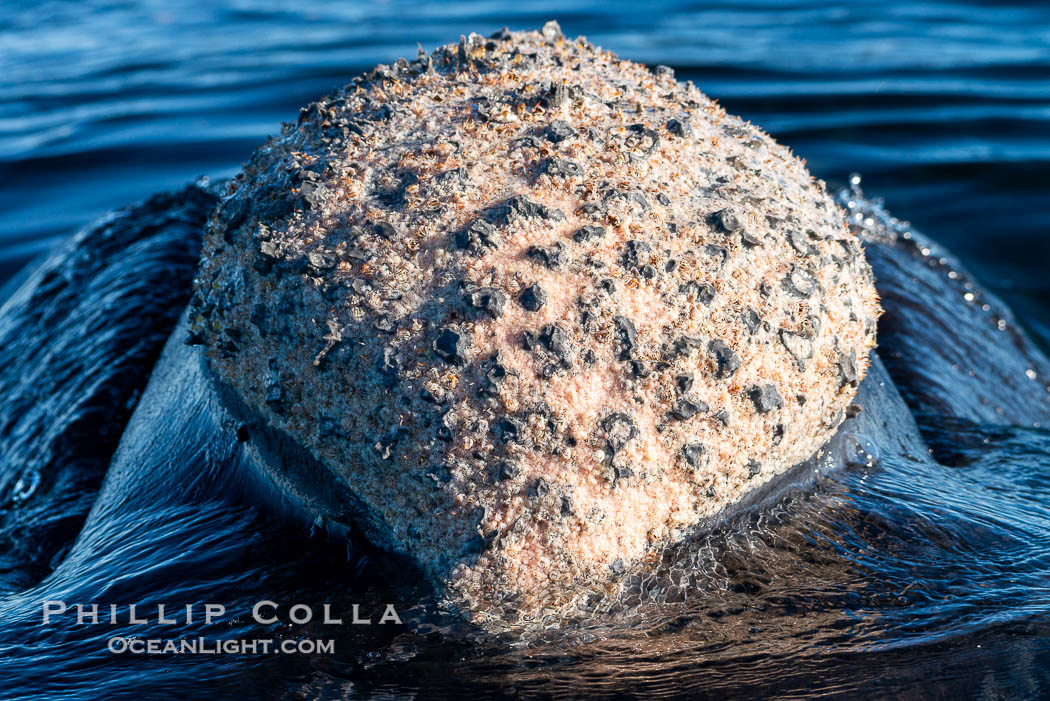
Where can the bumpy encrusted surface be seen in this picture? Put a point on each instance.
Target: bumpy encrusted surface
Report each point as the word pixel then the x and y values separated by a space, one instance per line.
pixel 541 309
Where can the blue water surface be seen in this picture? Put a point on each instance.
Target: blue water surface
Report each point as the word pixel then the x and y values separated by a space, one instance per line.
pixel 944 106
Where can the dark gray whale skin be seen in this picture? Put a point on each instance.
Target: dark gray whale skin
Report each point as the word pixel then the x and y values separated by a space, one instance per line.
pixel 186 441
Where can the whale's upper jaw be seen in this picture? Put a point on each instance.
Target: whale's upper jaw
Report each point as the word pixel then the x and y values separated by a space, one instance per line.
pixel 152 455
pixel 542 309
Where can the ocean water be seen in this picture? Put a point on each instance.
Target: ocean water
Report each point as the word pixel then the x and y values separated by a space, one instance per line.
pixel 899 574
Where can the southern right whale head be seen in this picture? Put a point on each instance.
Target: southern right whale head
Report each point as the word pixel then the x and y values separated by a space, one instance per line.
pixel 946 347
pixel 535 339
pixel 949 352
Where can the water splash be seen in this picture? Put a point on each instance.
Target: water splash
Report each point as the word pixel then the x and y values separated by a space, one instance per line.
pixel 24 487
